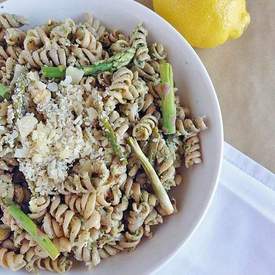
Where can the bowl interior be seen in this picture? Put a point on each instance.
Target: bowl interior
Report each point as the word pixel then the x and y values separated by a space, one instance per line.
pixel 196 91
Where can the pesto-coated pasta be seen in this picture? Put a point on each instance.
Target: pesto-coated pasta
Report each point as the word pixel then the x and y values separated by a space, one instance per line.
pixel 144 128
pixel 192 151
pixel 65 154
pixel 138 41
pixel 60 265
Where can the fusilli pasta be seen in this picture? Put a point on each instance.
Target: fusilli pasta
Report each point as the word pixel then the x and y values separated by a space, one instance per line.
pixel 11 21
pixel 12 260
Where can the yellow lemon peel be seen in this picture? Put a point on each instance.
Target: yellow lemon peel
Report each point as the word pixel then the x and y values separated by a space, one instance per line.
pixel 207 23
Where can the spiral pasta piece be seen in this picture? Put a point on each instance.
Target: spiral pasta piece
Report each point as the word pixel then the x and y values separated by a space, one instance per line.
pixel 90 176
pixel 88 83
pixel 8 220
pixel 11 21
pixel 109 38
pixel 84 56
pixel 77 184
pixel 4 232
pixel 120 124
pixel 85 206
pixel 4 120
pixel 19 237
pixel 45 38
pixel 153 218
pixel 121 87
pixel 131 240
pixel 14 37
pixel 149 107
pixel 141 89
pixel 189 127
pixel 31 257
pixel 6 72
pixel 25 243
pixel 192 152
pixel 154 90
pixel 182 112
pixel 81 248
pixel 149 72
pixel 165 165
pixel 61 264
pixel 83 253
pixel 108 250
pixel 12 260
pixel 141 209
pixel 43 56
pixel 104 79
pixel 118 172
pixel 61 32
pixel 119 46
pixel 137 216
pixel 143 129
pixel 133 166
pixel 120 208
pixel 97 171
pixel 66 218
pixel 89 255
pixel 158 51
pixel 9 51
pixel 131 108
pixel 93 25
pixel 87 40
pixel 138 41
pixel 33 40
pixel 128 186
pixel 38 207
pixel 51 227
pixel 63 244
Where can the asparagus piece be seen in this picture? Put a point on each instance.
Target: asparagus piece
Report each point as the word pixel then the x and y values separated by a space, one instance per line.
pixel 98 67
pixel 168 106
pixel 111 135
pixel 4 91
pixel 111 64
pixel 151 173
pixel 18 97
pixel 54 72
pixel 29 226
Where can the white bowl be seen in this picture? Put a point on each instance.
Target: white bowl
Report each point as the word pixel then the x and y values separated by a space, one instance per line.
pixel 197 91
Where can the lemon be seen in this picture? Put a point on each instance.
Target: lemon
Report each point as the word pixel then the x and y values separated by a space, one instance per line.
pixel 205 23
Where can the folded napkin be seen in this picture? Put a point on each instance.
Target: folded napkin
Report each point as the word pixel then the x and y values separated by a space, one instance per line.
pixel 237 236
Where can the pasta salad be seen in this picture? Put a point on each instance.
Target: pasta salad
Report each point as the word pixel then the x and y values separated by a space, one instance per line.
pixel 92 138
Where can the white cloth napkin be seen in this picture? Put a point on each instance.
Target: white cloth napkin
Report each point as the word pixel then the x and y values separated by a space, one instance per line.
pixel 237 236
